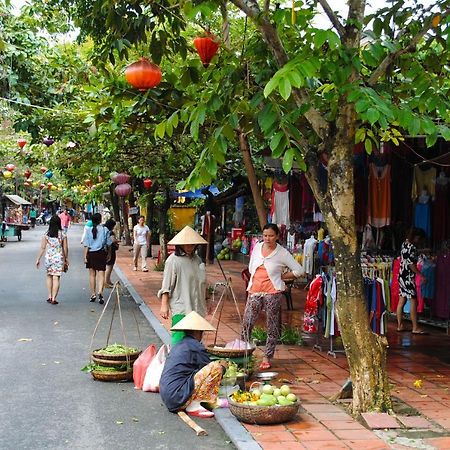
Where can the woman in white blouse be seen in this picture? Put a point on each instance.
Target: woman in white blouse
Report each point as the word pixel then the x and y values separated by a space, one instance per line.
pixel 268 263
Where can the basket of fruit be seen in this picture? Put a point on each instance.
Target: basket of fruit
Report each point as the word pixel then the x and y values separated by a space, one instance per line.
pixel 264 406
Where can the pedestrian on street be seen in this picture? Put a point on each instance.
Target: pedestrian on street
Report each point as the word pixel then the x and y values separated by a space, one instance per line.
pixel 189 378
pixel 111 257
pixel 266 287
pixel 141 242
pixel 184 282
pixel 95 244
pixel 65 220
pixel 54 246
pixel 33 215
pixel 407 279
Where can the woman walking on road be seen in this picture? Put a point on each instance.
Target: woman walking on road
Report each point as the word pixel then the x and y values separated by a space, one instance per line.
pixel 54 246
pixel 184 283
pixel 141 242
pixel 95 244
pixel 111 258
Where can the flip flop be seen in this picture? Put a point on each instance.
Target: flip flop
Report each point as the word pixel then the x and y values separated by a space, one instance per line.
pixel 54 302
pixel 422 332
pixel 264 365
pixel 201 413
pixel 403 330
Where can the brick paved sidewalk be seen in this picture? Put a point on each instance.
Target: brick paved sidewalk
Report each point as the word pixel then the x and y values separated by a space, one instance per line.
pixel 315 376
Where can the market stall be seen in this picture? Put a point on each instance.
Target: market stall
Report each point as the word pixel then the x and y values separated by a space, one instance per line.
pixel 15 216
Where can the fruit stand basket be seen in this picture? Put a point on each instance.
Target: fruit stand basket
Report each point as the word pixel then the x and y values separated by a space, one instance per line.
pixel 263 415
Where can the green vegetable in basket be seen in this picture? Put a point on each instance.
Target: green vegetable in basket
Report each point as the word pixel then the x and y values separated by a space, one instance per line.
pixel 98 368
pixel 116 349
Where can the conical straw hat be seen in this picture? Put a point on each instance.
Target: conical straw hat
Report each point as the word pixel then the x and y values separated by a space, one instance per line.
pixel 187 236
pixel 193 321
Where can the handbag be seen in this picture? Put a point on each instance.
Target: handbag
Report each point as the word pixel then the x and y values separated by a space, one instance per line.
pixel 154 370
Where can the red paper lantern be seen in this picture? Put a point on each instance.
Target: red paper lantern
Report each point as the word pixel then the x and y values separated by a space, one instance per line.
pixel 206 48
pixel 87 182
pixel 21 143
pixel 121 178
pixel 49 185
pixel 27 173
pixel 43 169
pixel 42 186
pixel 148 183
pixel 10 167
pixel 122 190
pixel 143 74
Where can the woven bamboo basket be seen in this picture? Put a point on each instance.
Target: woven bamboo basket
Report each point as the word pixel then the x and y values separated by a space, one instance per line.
pixel 112 376
pixel 119 357
pixel 263 415
pixel 223 352
pixel 111 362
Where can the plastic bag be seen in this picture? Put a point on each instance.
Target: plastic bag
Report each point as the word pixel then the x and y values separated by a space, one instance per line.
pixel 141 364
pixel 154 370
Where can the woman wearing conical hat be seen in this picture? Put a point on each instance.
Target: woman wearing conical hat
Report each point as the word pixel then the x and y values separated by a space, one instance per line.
pixel 189 378
pixel 184 283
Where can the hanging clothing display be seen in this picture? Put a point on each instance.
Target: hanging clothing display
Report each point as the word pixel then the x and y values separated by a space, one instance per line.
pixel 307 199
pixel 441 305
pixel 314 299
pixel 401 185
pixel 295 198
pixel 441 212
pixel 423 180
pixel 422 217
pixel 308 254
pixel 280 204
pixel 379 195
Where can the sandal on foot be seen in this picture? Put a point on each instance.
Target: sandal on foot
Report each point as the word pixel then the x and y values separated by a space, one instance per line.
pixel 100 299
pixel 49 300
pixel 264 365
pixel 54 302
pixel 201 413
pixel 93 298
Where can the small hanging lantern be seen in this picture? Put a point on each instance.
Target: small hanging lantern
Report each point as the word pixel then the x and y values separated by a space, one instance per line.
pixel 48 141
pixel 121 178
pixel 26 183
pixel 143 74
pixel 21 143
pixel 7 174
pixel 206 48
pixel 43 169
pixel 87 182
pixel 27 173
pixel 49 185
pixel 122 190
pixel 10 167
pixel 41 186
pixel 148 183
pixel 48 174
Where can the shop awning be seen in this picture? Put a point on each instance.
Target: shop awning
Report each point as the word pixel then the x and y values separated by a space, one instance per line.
pixel 17 200
pixel 197 193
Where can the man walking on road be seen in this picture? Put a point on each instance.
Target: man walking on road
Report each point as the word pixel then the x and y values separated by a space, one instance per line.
pixel 65 220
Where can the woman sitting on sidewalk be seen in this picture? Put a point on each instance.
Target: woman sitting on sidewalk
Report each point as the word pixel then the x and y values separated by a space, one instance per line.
pixel 184 283
pixel 189 378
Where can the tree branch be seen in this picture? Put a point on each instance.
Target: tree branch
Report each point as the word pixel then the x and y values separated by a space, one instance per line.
pixel 333 18
pixel 273 41
pixel 389 59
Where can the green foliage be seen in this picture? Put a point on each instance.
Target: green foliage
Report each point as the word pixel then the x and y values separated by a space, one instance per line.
pixel 259 334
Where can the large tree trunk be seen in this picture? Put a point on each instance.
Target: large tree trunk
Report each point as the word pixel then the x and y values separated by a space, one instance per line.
pixel 253 181
pixel 164 208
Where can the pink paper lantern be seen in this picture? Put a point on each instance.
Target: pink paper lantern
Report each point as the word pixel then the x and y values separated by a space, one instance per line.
pixel 121 178
pixel 122 190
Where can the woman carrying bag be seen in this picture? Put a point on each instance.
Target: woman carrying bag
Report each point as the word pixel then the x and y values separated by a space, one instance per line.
pixel 96 242
pixel 54 245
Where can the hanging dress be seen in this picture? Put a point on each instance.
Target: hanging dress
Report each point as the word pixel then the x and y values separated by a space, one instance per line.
pixel 423 180
pixel 280 204
pixel 379 196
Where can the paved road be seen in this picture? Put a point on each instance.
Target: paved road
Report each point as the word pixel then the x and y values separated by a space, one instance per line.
pixel 46 402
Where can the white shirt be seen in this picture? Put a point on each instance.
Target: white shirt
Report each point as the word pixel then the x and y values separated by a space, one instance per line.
pixel 274 263
pixel 141 234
